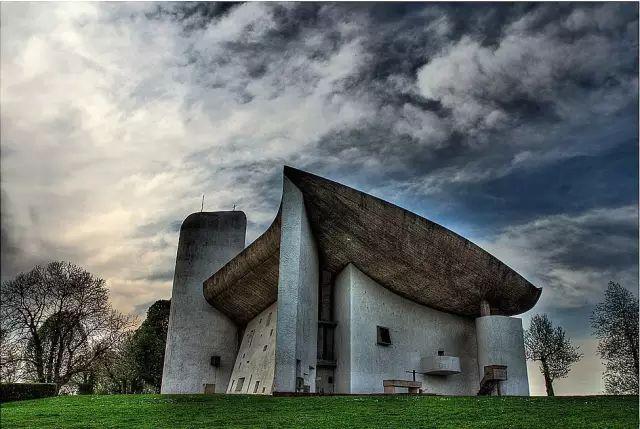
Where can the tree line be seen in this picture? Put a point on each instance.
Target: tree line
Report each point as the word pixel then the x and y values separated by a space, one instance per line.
pixel 57 325
pixel 614 322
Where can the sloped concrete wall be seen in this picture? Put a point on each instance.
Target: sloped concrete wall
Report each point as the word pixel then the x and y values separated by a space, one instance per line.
pixel 198 331
pixel 416 331
pixel 500 342
pixel 297 331
pixel 256 358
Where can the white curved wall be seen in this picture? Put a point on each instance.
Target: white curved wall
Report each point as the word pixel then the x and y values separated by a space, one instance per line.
pixel 417 332
pixel 197 331
pixel 500 342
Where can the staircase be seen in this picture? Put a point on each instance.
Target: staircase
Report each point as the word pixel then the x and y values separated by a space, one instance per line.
pixel 493 375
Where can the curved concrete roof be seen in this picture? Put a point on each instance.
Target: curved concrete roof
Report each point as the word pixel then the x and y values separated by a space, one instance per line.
pixel 405 253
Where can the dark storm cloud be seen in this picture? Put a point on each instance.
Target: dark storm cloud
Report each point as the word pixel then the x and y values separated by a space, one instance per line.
pixel 574 256
pixel 16 250
pixel 152 228
pixel 568 185
pixel 402 39
pixel 157 276
pixel 473 106
pixel 10 251
pixel 192 15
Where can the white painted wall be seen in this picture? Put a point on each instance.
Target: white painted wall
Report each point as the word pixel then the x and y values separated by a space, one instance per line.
pixel 198 331
pixel 257 355
pixel 297 331
pixel 416 332
pixel 342 335
pixel 500 342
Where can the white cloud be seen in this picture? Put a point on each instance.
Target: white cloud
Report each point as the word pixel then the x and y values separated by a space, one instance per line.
pixel 529 63
pixel 425 127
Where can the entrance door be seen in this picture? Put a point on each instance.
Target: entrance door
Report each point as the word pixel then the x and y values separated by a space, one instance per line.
pixel 325 380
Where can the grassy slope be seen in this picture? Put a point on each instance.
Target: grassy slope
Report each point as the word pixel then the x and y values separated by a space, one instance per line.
pixel 155 411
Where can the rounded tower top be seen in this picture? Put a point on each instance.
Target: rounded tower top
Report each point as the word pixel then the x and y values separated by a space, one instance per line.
pixel 207 220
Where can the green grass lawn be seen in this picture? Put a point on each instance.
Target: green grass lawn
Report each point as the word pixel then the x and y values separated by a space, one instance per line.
pixel 193 411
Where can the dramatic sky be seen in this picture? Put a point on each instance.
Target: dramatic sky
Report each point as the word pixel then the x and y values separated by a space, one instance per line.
pixel 514 125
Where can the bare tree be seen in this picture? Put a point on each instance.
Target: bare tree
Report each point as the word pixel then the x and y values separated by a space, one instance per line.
pixel 9 357
pixel 551 348
pixel 61 317
pixel 615 323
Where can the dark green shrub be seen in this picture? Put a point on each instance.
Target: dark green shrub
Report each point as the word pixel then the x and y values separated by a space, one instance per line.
pixel 20 391
pixel 85 389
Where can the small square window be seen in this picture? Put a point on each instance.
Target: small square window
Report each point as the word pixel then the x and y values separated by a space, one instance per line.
pixel 440 352
pixel 384 336
pixel 215 361
pixel 240 384
pixel 264 349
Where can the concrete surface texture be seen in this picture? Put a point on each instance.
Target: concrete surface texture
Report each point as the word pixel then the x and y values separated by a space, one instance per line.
pixel 416 332
pixel 500 342
pixel 248 283
pixel 342 313
pixel 440 365
pixel 297 327
pixel 197 331
pixel 255 363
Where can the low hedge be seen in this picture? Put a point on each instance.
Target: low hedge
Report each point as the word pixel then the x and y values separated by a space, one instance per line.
pixel 20 391
pixel 85 389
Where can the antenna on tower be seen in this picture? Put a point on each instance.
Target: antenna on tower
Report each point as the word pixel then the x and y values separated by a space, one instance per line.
pixel 202 206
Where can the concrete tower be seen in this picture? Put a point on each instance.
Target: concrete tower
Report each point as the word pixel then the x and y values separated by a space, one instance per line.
pixel 201 341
